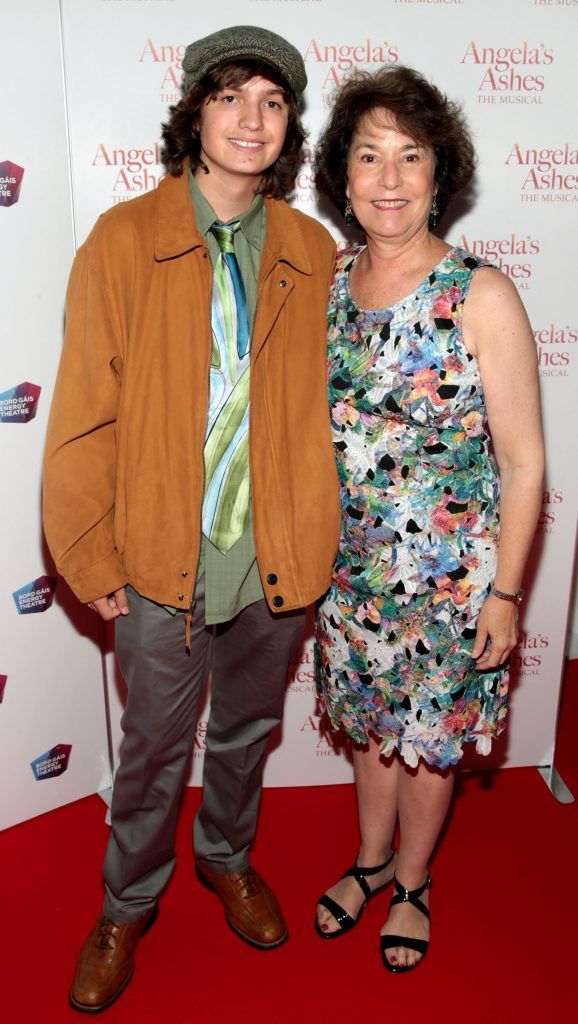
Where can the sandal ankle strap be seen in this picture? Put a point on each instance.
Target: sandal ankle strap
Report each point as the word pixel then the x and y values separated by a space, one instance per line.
pixel 403 895
pixel 360 874
pixel 366 872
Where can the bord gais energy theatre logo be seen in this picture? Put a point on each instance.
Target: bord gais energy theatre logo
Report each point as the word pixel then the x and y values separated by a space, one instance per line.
pixel 510 74
pixel 547 174
pixel 10 181
pixel 36 596
pixel 18 404
pixel 54 762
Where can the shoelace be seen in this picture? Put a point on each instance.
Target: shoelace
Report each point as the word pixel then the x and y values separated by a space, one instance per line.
pixel 247 883
pixel 106 930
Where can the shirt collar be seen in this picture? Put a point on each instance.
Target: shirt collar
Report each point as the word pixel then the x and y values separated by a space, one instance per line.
pixel 176 232
pixel 205 216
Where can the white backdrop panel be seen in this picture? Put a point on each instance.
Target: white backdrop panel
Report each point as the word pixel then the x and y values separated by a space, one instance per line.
pixel 512 65
pixel 52 698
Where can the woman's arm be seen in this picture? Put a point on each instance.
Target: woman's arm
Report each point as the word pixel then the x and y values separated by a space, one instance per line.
pixel 496 330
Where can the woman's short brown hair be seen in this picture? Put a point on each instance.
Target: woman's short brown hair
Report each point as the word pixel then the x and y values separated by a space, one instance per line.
pixel 418 108
pixel 182 138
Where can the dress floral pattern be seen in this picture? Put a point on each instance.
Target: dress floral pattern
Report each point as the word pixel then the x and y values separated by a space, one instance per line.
pixel 419 496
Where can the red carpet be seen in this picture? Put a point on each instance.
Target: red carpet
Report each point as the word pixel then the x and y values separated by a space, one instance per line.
pixel 503 902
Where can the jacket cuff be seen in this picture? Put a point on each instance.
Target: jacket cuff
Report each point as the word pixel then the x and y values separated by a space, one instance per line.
pixel 98 580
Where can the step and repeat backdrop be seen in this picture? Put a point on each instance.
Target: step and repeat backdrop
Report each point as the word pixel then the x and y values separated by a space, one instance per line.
pixel 82 134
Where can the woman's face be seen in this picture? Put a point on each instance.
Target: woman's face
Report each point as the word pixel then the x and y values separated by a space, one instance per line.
pixel 390 178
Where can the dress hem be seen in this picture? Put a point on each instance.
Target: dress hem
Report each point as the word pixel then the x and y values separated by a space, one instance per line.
pixel 390 744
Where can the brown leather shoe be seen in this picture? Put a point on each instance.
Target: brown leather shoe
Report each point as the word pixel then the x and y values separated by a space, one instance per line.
pixel 251 908
pixel 106 962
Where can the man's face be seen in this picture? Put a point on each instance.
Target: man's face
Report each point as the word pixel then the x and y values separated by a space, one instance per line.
pixel 243 129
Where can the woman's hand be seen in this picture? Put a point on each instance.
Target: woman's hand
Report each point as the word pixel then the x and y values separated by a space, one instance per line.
pixel 498 623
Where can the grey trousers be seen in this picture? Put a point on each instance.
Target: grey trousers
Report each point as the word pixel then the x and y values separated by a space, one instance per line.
pixel 248 659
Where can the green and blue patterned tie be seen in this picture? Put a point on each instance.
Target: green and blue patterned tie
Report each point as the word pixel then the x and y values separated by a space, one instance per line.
pixel 227 485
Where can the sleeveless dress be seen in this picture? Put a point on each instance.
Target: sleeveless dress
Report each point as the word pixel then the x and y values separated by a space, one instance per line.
pixel 419 497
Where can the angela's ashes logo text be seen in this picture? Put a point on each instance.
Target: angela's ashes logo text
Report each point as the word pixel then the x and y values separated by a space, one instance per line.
pixel 551 501
pixel 342 61
pixel 512 254
pixel 327 741
pixel 131 171
pixel 304 191
pixel 169 59
pixel 556 347
pixel 526 658
pixel 546 174
pixel 510 74
pixel 301 673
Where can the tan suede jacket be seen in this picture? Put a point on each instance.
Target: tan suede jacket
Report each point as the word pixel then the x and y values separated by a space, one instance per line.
pixel 124 470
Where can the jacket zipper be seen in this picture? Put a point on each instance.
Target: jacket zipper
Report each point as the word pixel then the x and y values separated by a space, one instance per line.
pixel 190 610
pixel 260 289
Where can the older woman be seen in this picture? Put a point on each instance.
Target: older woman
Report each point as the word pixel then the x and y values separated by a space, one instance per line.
pixel 436 421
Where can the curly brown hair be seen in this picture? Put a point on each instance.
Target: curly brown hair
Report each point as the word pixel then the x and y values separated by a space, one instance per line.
pixel 182 138
pixel 418 108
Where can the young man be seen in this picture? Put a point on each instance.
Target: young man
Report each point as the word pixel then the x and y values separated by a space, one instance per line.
pixel 190 490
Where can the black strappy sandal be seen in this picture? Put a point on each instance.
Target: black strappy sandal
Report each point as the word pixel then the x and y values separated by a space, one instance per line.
pixel 344 920
pixel 391 941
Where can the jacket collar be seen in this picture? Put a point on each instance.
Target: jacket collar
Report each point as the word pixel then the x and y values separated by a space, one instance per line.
pixel 284 240
pixel 176 231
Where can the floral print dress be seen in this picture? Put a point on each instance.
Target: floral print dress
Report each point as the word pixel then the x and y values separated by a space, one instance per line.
pixel 419 497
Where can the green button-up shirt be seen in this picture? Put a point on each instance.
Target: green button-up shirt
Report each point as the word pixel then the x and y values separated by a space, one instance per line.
pixel 232 579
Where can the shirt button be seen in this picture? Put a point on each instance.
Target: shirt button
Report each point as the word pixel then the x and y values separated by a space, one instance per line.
pixel 181 597
pixel 283 283
pixel 278 601
pixel 184 575
pixel 271 578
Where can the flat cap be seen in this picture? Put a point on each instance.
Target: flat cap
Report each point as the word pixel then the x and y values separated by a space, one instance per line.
pixel 244 42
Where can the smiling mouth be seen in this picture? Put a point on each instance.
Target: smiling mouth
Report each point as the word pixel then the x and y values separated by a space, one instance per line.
pixel 389 204
pixel 246 143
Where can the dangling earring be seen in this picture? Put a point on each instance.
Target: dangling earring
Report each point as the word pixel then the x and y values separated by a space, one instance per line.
pixel 348 213
pixel 434 212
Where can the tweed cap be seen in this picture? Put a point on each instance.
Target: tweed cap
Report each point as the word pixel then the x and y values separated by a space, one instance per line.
pixel 244 42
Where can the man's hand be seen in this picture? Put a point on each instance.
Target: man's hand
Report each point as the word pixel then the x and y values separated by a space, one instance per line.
pixel 112 606
pixel 498 623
